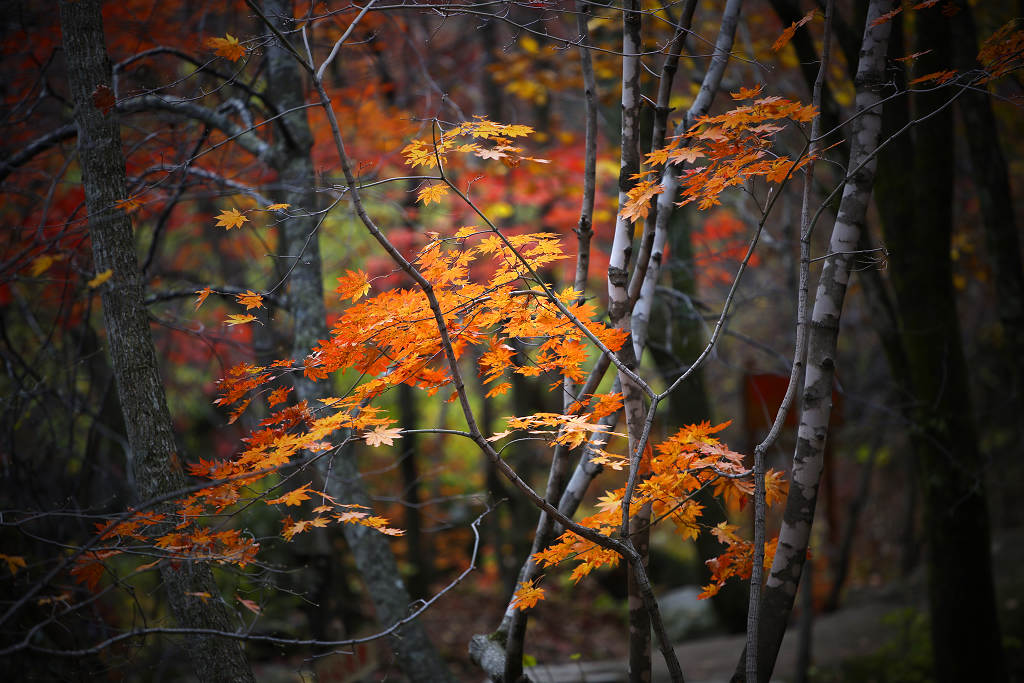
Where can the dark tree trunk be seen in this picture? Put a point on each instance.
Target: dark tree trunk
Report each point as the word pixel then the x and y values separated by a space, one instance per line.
pixel 154 464
pixel 419 556
pixel 944 438
pixel 991 184
pixel 300 245
pixel 681 342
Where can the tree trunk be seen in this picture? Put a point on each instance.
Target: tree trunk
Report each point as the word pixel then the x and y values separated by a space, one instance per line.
pixel 154 464
pixel 991 184
pixel 961 589
pixel 300 245
pixel 816 405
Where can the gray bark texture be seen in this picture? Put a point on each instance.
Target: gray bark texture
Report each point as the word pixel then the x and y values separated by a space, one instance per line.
pixel 154 464
pixel 784 577
pixel 414 652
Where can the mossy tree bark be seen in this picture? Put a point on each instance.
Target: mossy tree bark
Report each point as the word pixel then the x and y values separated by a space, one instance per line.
pixel 154 465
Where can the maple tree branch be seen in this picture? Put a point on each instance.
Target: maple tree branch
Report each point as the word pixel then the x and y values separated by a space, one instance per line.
pixel 342 39
pixel 623 548
pixel 222 290
pixel 205 174
pixel 245 137
pixel 113 522
pixel 37 146
pixel 173 200
pixel 612 356
pixel 796 369
pixel 285 43
pixel 584 227
pixel 446 345
pixel 203 67
pixel 25 644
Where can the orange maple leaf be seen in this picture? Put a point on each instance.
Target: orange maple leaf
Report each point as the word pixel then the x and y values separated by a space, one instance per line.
pixel 279 395
pixel 939 77
pixel 203 293
pixel 353 285
pixel 639 200
pixel 687 154
pixel 232 218
pixel 888 16
pixel 250 299
pixel 746 93
pixel 498 390
pixel 787 34
pixel 527 595
pixel 226 47
pixel 129 206
pixel 294 497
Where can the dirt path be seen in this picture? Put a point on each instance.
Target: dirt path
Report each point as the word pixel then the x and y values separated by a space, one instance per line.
pixel 847 633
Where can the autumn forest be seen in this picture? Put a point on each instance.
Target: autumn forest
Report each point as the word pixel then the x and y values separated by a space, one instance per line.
pixel 532 340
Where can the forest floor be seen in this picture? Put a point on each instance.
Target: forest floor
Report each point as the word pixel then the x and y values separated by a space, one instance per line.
pixel 879 634
pixel 847 633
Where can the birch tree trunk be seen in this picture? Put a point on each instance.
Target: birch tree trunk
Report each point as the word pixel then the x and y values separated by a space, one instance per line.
pixel 416 656
pixel 781 586
pixel 153 463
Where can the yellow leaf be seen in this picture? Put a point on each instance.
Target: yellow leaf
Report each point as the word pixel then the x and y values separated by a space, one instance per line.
pixel 50 599
pixel 250 299
pixel 202 595
pixel 239 319
pixel 14 562
pixel 431 193
pixel 277 207
pixel 230 219
pixel 43 263
pixel 100 278
pixel 226 47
